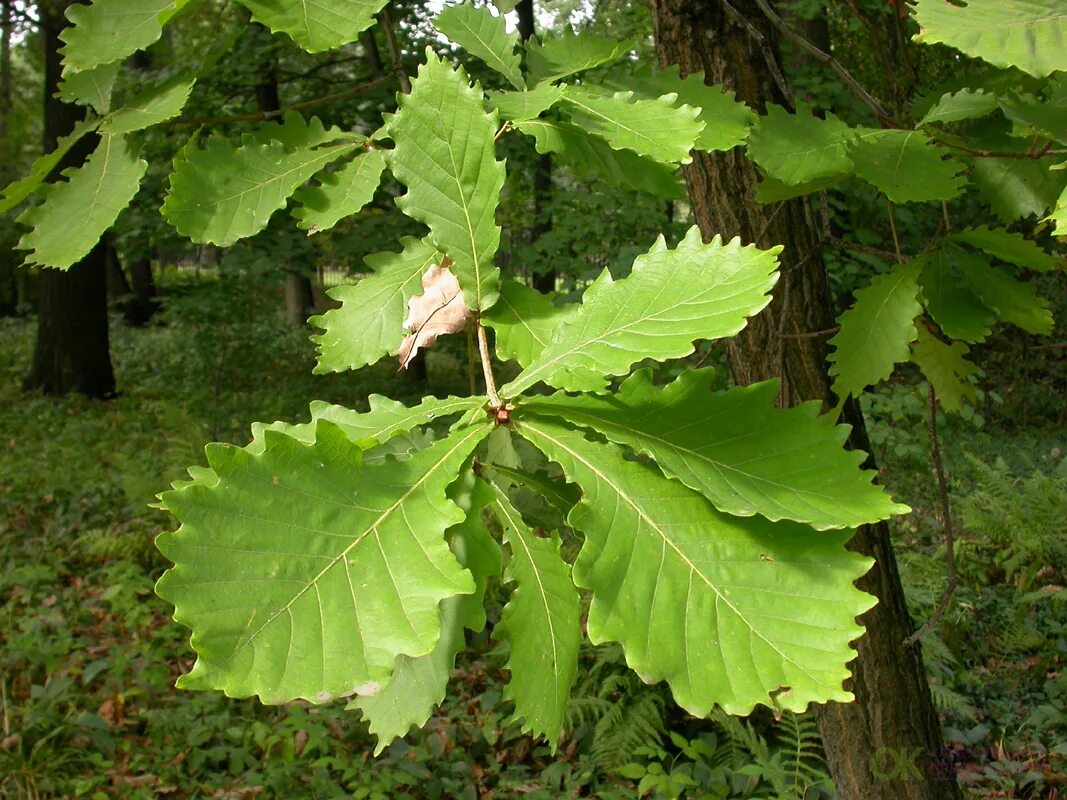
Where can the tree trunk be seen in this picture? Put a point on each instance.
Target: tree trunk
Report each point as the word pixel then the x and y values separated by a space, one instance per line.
pixel 72 352
pixel 8 257
pixel 143 284
pixel 887 745
pixel 118 286
pixel 544 278
pixel 299 297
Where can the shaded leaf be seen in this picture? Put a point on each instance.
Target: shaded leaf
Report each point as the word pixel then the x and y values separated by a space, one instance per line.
pixel 736 448
pixel 670 299
pixel 524 321
pixel 17 191
pixel 438 310
pixel 723 608
pixel 591 155
pixel 482 34
pixel 91 87
pixel 316 26
pixel 93 194
pixel 1007 246
pixel 304 575
pixel 876 331
pixel 800 148
pixel 151 107
pixel 556 57
pixel 110 30
pixel 961 105
pixel 540 623
pixel 369 322
pixel 339 194
pixel 1017 187
pixel 527 104
pixel 904 166
pixel 656 128
pixel 954 307
pixel 1013 300
pixel 946 367
pixel 445 156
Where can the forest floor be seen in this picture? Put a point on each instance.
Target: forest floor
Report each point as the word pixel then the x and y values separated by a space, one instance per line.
pixel 88 654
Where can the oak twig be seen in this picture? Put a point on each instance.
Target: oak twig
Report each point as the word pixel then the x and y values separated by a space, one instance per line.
pixel 487 369
pixel 946 523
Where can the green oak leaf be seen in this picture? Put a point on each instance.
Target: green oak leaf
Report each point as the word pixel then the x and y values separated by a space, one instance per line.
pixel 800 148
pixel 946 367
pixel 953 306
pixel 556 57
pixel 670 299
pixel 369 323
pixel 151 107
pixel 316 26
pixel 736 448
pixel 1033 115
pixel 302 574
pixel 445 156
pixel 591 155
pixel 223 192
pixel 527 104
pixel 110 30
pixel 17 191
pixel 657 128
pixel 91 87
pixel 1028 34
pixel 1007 246
pixel 961 105
pixel 524 321
pixel 540 623
pixel 730 611
pixel 339 194
pixel 419 684
pixel 1058 217
pixel 771 190
pixel 876 331
pixel 1013 300
pixel 1018 187
pixel 384 420
pixel 483 35
pixel 904 166
pixel 297 133
pixel 727 121
pixel 93 195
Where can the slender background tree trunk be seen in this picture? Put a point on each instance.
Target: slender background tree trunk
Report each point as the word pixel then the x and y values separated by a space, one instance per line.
pixel 72 351
pixel 887 745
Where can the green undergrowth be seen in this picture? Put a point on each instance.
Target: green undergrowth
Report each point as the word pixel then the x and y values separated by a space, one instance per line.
pixel 88 655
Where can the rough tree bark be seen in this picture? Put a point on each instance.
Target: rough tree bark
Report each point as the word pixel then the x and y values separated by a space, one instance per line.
pixel 544 280
pixel 8 258
pixel 72 353
pixel 887 745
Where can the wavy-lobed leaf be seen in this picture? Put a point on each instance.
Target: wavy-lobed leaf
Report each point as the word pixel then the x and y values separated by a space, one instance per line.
pixel 657 128
pixel 151 107
pixel 369 323
pixel 527 104
pixel 954 307
pixel 728 610
pixel 339 194
pixel 904 166
pixel 445 156
pixel 1018 187
pixel 591 155
pixel 736 448
pixel 540 623
pixel 224 192
pixel 313 24
pixel 304 575
pixel 946 367
pixel 93 195
pixel 110 30
pixel 524 321
pixel 17 191
pixel 419 684
pixel 556 57
pixel 876 331
pixel 91 87
pixel 670 299
pixel 799 148
pixel 483 35
pixel 1013 300
pixel 727 121
pixel 1008 246
pixel 1028 34
pixel 961 105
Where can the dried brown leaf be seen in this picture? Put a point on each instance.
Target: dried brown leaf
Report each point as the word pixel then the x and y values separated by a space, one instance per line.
pixel 438 310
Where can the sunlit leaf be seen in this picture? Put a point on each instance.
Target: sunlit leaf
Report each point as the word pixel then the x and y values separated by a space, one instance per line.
pixel 800 148
pixel 905 166
pixel 483 35
pixel 339 194
pixel 670 299
pixel 316 26
pixel 736 448
pixel 110 30
pixel 91 87
pixel 723 608
pixel 556 57
pixel 524 321
pixel 151 107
